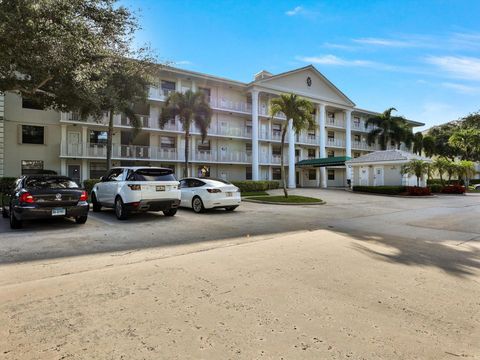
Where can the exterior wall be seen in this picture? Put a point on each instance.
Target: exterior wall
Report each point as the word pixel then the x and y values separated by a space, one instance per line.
pixel 392 175
pixel 15 116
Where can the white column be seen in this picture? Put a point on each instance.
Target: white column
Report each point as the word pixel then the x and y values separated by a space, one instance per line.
pixel 178 86
pixel 84 171
pixel 291 155
pixel 63 167
pixel 84 141
pixel 322 138
pixel 2 135
pixel 194 86
pixel 63 140
pixel 348 139
pixel 255 167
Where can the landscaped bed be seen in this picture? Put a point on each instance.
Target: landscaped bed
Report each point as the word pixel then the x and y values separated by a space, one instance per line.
pixel 282 200
pixel 254 193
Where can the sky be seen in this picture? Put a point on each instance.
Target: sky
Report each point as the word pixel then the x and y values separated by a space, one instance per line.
pixel 421 57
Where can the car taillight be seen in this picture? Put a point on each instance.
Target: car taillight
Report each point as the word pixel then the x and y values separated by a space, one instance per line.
pixel 214 190
pixel 135 187
pixel 84 196
pixel 27 198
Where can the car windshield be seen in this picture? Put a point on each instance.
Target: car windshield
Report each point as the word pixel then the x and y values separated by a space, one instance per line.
pixel 43 182
pixel 152 175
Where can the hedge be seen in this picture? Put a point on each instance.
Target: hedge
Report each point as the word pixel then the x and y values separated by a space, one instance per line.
pixel 88 185
pixel 7 184
pixel 389 190
pixel 252 186
pixel 418 191
pixel 436 188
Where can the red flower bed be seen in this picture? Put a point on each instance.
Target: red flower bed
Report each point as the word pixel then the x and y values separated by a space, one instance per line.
pixel 453 189
pixel 418 191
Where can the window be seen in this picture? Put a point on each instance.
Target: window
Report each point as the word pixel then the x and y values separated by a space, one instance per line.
pixel 206 92
pixel 357 138
pixel 311 133
pixel 276 129
pixel 98 137
pixel 331 153
pixel 28 103
pixel 331 135
pixel 204 146
pixel 168 85
pixel 311 153
pixel 331 117
pixel 276 150
pixel 356 154
pixel 97 170
pixel 114 175
pixel 276 173
pixel 33 134
pixel 312 174
pixel 297 152
pixel 32 167
pixel 203 171
pixel 248 126
pixel 167 142
pixel 356 121
pixel 248 148
pixel 248 173
pixel 331 174
pixel 46 182
pixel 151 175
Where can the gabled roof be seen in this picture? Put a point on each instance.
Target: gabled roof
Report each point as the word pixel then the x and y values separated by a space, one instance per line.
pixel 387 156
pixel 308 67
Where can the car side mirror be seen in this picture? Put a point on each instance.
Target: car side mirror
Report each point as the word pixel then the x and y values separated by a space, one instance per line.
pixel 103 179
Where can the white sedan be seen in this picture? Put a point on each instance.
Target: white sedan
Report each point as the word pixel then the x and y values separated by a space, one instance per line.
pixel 201 194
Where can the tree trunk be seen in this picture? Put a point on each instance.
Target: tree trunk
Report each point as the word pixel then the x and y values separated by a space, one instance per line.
pixel 187 148
pixel 109 140
pixel 282 165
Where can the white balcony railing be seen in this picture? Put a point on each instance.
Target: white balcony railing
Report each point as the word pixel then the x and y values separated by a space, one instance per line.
pixel 363 145
pixel 334 122
pixel 225 104
pixel 335 143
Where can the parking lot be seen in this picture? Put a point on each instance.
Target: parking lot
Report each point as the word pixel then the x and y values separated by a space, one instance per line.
pixel 363 276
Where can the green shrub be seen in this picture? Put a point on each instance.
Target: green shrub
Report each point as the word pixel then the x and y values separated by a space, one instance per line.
pixel 88 185
pixel 7 184
pixel 388 190
pixel 252 186
pixel 436 188
pixel 474 181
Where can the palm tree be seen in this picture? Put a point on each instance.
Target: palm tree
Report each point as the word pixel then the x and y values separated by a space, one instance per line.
pixel 388 129
pixel 466 170
pixel 441 165
pixel 297 109
pixel 418 143
pixel 417 168
pixel 429 145
pixel 451 169
pixel 191 108
pixel 467 141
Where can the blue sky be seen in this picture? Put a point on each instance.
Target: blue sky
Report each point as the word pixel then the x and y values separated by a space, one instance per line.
pixel 422 57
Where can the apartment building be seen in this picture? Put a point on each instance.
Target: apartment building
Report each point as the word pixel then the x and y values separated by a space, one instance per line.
pixel 243 142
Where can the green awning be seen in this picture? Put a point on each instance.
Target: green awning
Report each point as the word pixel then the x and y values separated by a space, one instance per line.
pixel 322 162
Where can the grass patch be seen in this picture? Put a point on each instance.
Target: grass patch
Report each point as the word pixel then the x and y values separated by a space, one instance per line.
pixel 254 193
pixel 292 199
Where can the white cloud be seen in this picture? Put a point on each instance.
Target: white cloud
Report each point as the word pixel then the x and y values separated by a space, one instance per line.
pixel 461 88
pixel 295 11
pixel 386 42
pixel 457 66
pixel 183 62
pixel 337 61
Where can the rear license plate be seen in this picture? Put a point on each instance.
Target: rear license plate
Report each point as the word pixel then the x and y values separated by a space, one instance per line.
pixel 229 194
pixel 160 188
pixel 58 212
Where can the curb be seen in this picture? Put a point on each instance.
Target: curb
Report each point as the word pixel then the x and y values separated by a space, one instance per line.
pixel 284 203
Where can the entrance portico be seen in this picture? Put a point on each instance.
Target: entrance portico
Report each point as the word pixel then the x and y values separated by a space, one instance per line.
pixel 333 164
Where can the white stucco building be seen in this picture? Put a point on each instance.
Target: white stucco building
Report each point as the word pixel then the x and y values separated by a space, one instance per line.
pixel 242 143
pixel 384 168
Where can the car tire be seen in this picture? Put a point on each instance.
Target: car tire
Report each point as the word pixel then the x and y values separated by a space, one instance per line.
pixel 14 222
pixel 231 208
pixel 197 205
pixel 81 219
pixel 170 212
pixel 120 210
pixel 96 207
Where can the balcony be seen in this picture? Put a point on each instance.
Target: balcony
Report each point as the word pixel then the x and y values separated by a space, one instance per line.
pixel 362 145
pixel 335 143
pixel 159 94
pixel 263 111
pixel 228 105
pixel 360 126
pixel 334 122
pixel 307 139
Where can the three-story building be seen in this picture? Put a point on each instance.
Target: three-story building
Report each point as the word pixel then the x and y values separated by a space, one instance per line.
pixel 243 141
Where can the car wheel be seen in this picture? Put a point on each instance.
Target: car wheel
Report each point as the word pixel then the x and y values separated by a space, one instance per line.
pixel 231 208
pixel 197 205
pixel 96 207
pixel 81 219
pixel 170 212
pixel 14 222
pixel 120 210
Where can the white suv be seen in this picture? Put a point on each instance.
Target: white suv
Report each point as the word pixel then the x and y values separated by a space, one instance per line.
pixel 128 189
